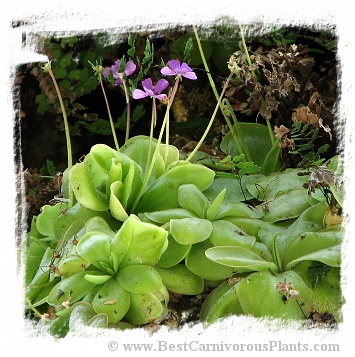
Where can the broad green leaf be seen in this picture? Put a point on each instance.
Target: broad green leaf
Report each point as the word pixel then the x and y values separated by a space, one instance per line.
pixel 259 297
pixel 287 206
pixel 272 160
pixel 197 262
pixel 113 300
pixel 277 184
pixel 215 206
pixel 46 219
pixel 163 194
pixel 192 199
pixel 166 215
pixel 139 279
pixel 115 205
pixel 221 302
pixel 84 190
pixel 94 247
pixel 174 253
pixel 98 321
pixel 70 289
pixel 98 224
pixel 321 246
pixel 80 314
pixel 41 277
pixel 238 209
pixel 239 258
pixel 226 233
pixel 178 279
pixel 256 136
pixel 102 155
pixel 144 308
pixel 147 243
pixel 235 192
pixel 189 231
pixel 310 220
pixel 72 264
pixel 97 279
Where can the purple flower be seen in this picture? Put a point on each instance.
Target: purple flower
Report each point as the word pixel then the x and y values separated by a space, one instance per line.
pixel 174 68
pixel 118 76
pixel 150 90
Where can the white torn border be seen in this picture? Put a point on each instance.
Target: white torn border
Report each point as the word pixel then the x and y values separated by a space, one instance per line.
pixel 117 16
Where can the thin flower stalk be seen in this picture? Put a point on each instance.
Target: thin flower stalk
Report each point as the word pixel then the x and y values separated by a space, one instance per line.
pixel 211 120
pixel 109 113
pixel 119 78
pixel 237 135
pixel 48 68
pixel 271 135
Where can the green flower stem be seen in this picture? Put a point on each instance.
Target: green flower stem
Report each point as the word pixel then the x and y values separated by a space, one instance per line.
pixel 213 86
pixel 66 127
pixel 245 46
pixel 36 312
pixel 271 133
pixel 211 120
pixel 109 113
pixel 237 132
pixel 162 129
pixel 128 122
pixel 152 125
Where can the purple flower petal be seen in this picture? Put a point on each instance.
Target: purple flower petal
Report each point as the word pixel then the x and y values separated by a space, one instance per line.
pixel 166 71
pixel 130 68
pixel 161 96
pixel 174 64
pixel 147 84
pixel 185 67
pixel 106 72
pixel 190 75
pixel 160 86
pixel 115 67
pixel 139 94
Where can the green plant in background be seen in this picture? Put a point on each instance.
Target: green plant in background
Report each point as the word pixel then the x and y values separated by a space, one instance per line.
pixel 138 222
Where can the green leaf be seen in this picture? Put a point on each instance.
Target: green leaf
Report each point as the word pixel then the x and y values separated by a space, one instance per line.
pixel 174 253
pixel 147 243
pixel 259 297
pixel 221 302
pixel 272 160
pixel 94 247
pixel 257 139
pixel 197 262
pixel 178 279
pixel 215 206
pixel 72 288
pixel 139 279
pixel 80 314
pixel 85 191
pixel 113 300
pixel 227 233
pixel 287 206
pixel 166 215
pixel 144 308
pixel 239 258
pixel 321 246
pixel 163 194
pixel 277 184
pixel 190 230
pixel 192 199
